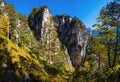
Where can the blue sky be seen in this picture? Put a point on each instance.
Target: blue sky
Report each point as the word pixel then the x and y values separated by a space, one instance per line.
pixel 86 10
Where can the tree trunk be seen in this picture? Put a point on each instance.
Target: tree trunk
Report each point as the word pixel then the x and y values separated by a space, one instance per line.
pixel 116 46
pixel 99 66
pixel 99 62
pixel 109 62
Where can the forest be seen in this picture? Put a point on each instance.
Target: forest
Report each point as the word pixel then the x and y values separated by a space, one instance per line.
pixel 60 48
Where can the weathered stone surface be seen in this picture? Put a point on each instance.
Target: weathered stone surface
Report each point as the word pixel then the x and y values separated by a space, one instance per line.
pixel 71 32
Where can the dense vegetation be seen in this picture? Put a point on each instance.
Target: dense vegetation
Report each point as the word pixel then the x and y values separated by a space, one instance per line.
pixel 23 57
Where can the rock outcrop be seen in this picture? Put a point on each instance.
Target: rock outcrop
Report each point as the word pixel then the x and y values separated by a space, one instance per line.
pixel 44 29
pixel 71 32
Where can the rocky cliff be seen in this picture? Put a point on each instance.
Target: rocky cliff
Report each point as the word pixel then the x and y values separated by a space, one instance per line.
pixel 70 31
pixel 73 34
pixel 43 25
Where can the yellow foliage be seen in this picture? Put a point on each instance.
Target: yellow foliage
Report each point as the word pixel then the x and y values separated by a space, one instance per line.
pixel 26 48
pixel 3 25
pixel 15 60
pixel 68 68
pixel 117 67
pixel 55 79
pixel 36 62
pixel 87 65
pixel 34 56
pixel 16 52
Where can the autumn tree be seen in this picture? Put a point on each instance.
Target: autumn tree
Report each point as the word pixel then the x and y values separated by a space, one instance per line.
pixel 4 25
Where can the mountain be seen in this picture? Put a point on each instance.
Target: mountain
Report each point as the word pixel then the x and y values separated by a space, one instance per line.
pixel 71 32
pixel 22 56
pixel 46 48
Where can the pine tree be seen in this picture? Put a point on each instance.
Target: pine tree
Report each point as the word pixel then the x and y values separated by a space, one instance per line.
pixel 112 10
pixel 107 34
pixel 109 28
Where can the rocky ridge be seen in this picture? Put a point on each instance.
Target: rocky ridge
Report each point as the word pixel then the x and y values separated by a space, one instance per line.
pixel 71 32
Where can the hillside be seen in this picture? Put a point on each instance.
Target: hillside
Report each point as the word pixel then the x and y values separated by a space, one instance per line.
pixel 47 48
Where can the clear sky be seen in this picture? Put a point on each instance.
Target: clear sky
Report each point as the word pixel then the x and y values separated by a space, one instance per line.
pixel 86 10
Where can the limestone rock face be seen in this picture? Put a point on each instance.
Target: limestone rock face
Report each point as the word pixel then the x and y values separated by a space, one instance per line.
pixel 44 29
pixel 2 5
pixel 73 34
pixel 40 22
pixel 70 31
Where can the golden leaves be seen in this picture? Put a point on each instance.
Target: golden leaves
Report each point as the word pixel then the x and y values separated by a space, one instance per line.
pixel 3 25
